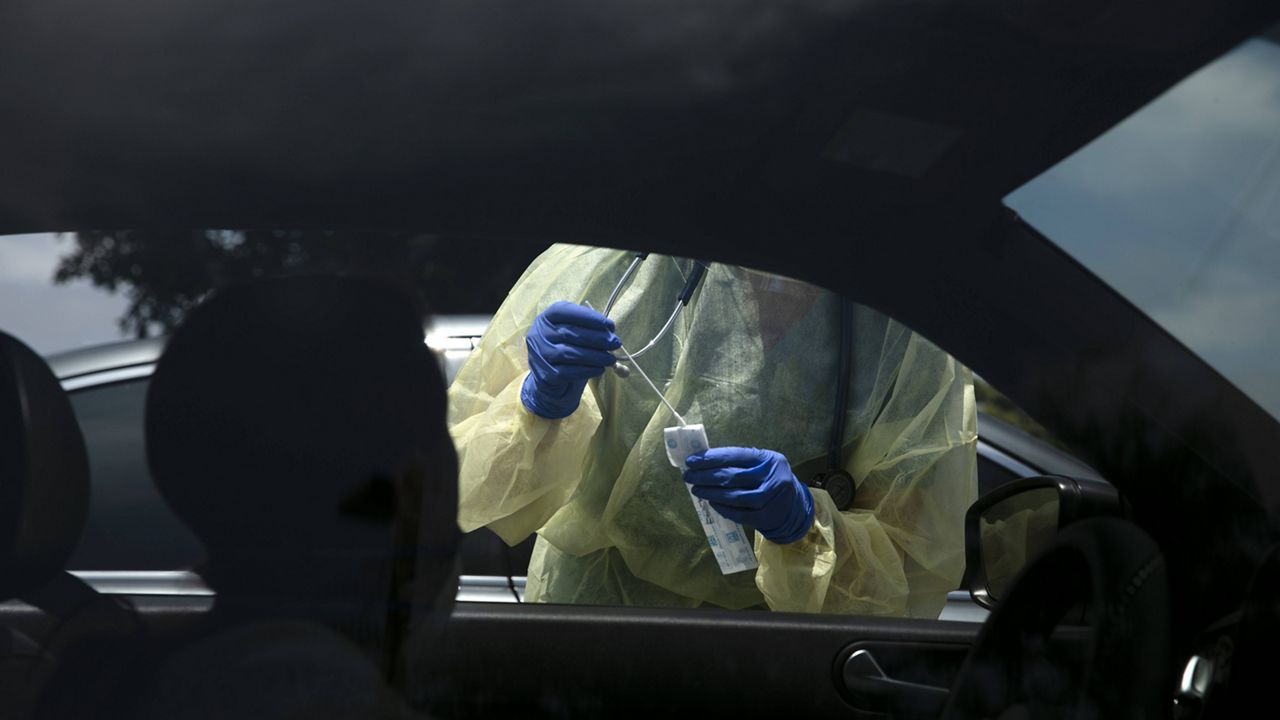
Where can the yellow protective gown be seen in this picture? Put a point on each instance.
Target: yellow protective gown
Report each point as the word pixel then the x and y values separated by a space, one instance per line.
pixel 754 358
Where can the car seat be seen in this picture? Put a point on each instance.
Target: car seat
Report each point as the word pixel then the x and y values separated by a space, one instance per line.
pixel 44 498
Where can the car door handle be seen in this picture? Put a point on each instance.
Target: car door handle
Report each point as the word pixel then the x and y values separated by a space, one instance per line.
pixel 867 682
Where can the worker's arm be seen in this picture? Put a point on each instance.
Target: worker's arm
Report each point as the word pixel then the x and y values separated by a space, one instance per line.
pixel 900 549
pixel 522 435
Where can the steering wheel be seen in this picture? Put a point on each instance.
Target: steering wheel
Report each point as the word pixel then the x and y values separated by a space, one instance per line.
pixel 1019 667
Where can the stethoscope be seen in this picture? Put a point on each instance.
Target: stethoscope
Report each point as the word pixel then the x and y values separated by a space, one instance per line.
pixel 836 481
pixel 691 284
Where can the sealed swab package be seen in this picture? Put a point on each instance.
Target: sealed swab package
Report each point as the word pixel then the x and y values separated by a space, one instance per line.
pixel 727 539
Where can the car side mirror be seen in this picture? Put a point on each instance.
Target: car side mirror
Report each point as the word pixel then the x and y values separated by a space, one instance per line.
pixel 1006 528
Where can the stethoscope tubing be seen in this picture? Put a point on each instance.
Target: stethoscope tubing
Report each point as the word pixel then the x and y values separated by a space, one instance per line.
pixel 686 294
pixel 843 366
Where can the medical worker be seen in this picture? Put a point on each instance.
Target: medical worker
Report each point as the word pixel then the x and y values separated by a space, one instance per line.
pixel 552 440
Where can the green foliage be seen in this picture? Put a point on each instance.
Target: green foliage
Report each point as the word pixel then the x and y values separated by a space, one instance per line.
pixel 165 273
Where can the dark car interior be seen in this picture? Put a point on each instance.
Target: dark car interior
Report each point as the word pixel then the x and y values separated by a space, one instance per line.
pixel 75 628
pixel 865 147
pixel 63 623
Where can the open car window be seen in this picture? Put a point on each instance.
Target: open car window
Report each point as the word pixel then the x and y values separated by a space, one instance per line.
pixel 755 358
pixel 697 477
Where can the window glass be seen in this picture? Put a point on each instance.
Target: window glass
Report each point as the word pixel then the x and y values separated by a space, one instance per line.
pixel 83 300
pixel 1178 207
pixel 1013 532
pixel 47 311
pixel 129 526
pixel 568 475
pixel 64 291
pixel 585 458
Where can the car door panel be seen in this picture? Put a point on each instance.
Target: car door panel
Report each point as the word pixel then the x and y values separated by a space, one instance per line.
pixel 575 661
pixel 900 679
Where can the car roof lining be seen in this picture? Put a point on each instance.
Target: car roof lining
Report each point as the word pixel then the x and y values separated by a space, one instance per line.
pixel 576 119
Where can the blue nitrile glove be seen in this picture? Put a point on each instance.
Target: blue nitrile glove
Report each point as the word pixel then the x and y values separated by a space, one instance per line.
pixel 568 345
pixel 755 488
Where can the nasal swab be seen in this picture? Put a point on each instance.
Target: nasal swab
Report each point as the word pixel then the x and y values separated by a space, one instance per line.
pixel 656 391
pixel 640 370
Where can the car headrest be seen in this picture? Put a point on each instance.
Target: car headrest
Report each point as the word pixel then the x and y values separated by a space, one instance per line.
pixel 276 401
pixel 44 472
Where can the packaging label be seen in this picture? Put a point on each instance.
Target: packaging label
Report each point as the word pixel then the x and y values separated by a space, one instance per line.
pixel 727 539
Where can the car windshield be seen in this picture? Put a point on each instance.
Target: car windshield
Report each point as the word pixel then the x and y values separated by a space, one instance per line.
pixel 1178 208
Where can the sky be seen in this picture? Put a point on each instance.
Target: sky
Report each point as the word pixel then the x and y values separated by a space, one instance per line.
pixel 51 318
pixel 1178 207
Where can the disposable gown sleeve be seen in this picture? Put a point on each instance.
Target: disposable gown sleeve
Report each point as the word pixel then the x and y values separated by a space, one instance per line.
pixel 515 468
pixel 899 550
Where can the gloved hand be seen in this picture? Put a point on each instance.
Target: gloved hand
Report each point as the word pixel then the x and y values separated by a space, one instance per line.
pixel 568 345
pixel 755 488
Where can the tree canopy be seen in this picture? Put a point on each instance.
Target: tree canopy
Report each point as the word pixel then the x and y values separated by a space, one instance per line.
pixel 164 273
